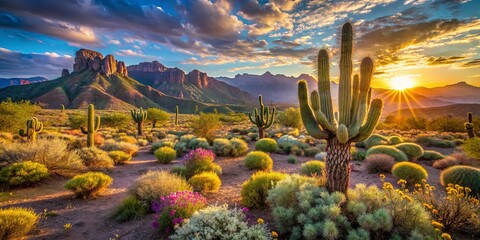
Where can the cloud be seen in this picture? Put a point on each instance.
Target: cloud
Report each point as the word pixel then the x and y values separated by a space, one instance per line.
pixel 16 64
pixel 474 63
pixel 133 53
pixel 443 60
pixel 266 18
pixel 114 41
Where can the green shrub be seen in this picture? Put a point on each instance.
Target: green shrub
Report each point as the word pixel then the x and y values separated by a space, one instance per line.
pixel 119 157
pixel 130 209
pixel 163 143
pixel 200 160
pixel 266 145
pixel 313 168
pixel 205 125
pixel 434 142
pixel 430 155
pixel 15 114
pixel 205 182
pixel 413 151
pixel 95 158
pixel 472 148
pixel 180 147
pixel 88 185
pixel 219 222
pixel 292 159
pixel 394 140
pixel 464 176
pixel 112 145
pixel 239 147
pixel 375 140
pixel 115 120
pixel 358 155
pixel 155 184
pixel 165 155
pixel 379 163
pixel 222 147
pixel 398 155
pixel 179 170
pixel 311 151
pixel 23 173
pixel 258 160
pixel 157 116
pixel 284 192
pixel 77 120
pixel 255 190
pixel 290 118
pixel 198 143
pixel 16 223
pixel 410 172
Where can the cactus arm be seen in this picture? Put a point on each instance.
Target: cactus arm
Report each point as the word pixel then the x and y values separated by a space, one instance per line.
pixel 84 131
pixel 251 119
pixel 342 134
pixel 319 115
pixel 371 122
pixel 270 122
pixel 355 99
pixel 22 133
pixel 469 125
pixel 308 118
pixel 97 123
pixel 323 69
pixel 345 88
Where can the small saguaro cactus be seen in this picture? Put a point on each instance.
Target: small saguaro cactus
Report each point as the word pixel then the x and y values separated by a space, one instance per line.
pixel 176 115
pixel 93 124
pixel 263 119
pixel 469 125
pixel 139 116
pixel 33 128
pixel 352 123
pixel 63 107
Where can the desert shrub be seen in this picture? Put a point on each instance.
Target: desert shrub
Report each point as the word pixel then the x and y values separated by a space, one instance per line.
pixel 464 176
pixel 15 114
pixel 175 208
pixel 434 142
pixel 398 155
pixel 95 158
pixel 358 155
pixel 142 142
pixel 376 163
pixel 200 160
pixel 375 140
pixel 320 156
pixel 446 162
pixel 112 145
pixel 266 145
pixel 88 185
pixel 285 191
pixel 290 118
pixel 187 138
pixel 16 223
pixel 219 222
pixel 430 155
pixel 205 182
pixel 163 143
pixel 311 151
pixel 413 151
pixel 222 147
pixel 410 172
pixel 205 125
pixel 53 153
pixel 77 120
pixel 130 209
pixel 255 190
pixel 446 124
pixel 258 160
pixel 154 184
pixel 472 148
pixel 116 120
pixel 23 173
pixel 157 116
pixel 119 157
pixel 127 139
pixel 198 143
pixel 288 142
pixel 292 159
pixel 178 170
pixel 239 147
pixel 313 168
pixel 394 140
pixel 165 154
pixel 5 138
pixel 180 147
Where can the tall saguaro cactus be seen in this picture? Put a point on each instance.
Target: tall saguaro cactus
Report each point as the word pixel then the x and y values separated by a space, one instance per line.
pixel 262 118
pixel 33 128
pixel 93 124
pixel 139 116
pixel 469 126
pixel 356 119
pixel 176 115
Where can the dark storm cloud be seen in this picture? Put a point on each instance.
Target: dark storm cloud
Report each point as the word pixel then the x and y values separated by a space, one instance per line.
pixel 443 60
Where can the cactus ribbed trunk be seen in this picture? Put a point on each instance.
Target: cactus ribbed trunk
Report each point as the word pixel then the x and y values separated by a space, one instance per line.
pixel 140 128
pixel 261 134
pixel 93 124
pixel 154 123
pixel 338 165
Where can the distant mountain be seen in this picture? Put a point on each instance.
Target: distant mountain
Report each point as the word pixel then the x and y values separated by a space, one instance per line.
pixel 396 100
pixel 102 81
pixel 5 82
pixel 460 92
pixel 274 88
pixel 195 85
pixel 454 110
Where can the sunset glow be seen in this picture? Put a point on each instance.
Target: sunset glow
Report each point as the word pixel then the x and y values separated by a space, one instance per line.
pixel 401 83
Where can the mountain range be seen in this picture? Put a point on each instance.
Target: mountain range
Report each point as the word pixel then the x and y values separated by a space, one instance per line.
pixel 5 82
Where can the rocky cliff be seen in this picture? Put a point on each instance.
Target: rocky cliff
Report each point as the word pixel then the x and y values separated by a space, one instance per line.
pixel 89 59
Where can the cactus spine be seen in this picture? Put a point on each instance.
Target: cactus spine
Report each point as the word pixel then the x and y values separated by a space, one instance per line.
pixel 176 115
pixel 33 128
pixel 139 116
pixel 469 126
pixel 356 118
pixel 93 124
pixel 263 119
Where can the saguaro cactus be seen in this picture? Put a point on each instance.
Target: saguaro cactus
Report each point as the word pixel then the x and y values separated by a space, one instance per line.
pixel 93 124
pixel 352 123
pixel 176 115
pixel 33 128
pixel 469 125
pixel 262 118
pixel 139 116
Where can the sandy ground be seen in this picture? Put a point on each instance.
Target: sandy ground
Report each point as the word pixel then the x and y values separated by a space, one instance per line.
pixel 90 218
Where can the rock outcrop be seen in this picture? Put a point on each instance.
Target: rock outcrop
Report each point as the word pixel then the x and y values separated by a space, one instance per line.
pixel 197 78
pixel 88 59
pixel 65 72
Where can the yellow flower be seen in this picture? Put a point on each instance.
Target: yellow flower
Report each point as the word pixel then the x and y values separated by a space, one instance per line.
pixel 260 221
pixel 67 226
pixel 424 181
pixel 274 234
pixel 450 185
pixel 382 176
pixel 438 230
pixel 436 224
pixel 468 190
pixel 446 236
pixel 435 211
pixel 401 182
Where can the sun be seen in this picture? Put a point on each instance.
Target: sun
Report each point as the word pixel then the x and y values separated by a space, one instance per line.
pixel 402 83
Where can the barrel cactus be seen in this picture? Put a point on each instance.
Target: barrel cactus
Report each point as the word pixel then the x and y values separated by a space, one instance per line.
pixel 93 124
pixel 469 126
pixel 357 115
pixel 139 116
pixel 262 118
pixel 33 128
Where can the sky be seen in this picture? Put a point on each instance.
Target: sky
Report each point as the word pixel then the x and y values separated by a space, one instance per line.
pixel 434 43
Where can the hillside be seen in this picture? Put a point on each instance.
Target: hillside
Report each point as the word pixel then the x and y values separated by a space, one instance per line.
pixel 195 85
pixel 460 92
pixel 454 110
pixel 5 82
